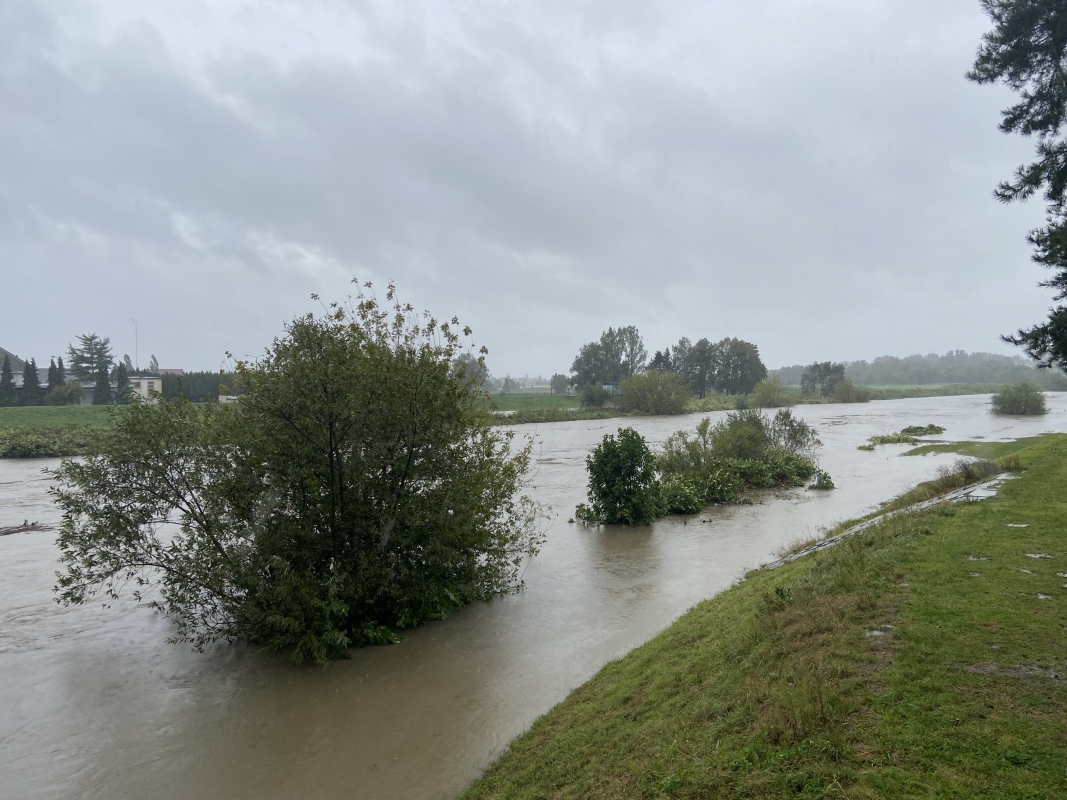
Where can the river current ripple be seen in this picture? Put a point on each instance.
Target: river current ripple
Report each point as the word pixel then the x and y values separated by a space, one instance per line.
pixel 95 704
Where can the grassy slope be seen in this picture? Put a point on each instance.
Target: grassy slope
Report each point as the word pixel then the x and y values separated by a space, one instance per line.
pixel 989 450
pixel 53 417
pixel 773 688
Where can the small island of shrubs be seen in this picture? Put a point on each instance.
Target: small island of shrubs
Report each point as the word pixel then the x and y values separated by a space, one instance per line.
pixel 631 485
pixel 1022 399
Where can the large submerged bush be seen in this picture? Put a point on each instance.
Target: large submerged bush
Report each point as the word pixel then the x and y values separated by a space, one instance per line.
pixel 655 392
pixel 356 488
pixel 1022 399
pixel 623 488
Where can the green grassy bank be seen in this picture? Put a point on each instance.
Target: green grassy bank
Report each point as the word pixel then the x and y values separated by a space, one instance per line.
pixel 918 659
pixel 53 417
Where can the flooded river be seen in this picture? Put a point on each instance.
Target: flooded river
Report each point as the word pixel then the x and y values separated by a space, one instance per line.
pixel 95 704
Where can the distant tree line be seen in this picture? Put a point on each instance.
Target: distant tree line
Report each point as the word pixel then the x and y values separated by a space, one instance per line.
pixel 732 366
pixel 956 366
pixel 198 387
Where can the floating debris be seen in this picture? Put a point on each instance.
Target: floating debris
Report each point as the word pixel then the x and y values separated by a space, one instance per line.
pixel 25 527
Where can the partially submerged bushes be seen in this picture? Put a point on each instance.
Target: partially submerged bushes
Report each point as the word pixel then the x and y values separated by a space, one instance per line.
pixel 847 392
pixel 67 440
pixel 655 392
pixel 745 451
pixel 1022 399
pixel 906 436
pixel 771 393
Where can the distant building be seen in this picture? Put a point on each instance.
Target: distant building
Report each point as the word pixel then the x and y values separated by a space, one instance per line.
pixel 147 387
pixel 18 368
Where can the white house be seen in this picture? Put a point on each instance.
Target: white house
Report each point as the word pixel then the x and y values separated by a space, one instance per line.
pixel 147 387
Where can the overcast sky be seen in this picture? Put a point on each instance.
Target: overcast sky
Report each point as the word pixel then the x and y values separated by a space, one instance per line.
pixel 814 176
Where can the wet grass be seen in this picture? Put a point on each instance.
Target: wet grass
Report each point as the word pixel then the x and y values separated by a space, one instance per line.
pixel 53 417
pixel 525 402
pixel 889 666
pixel 987 450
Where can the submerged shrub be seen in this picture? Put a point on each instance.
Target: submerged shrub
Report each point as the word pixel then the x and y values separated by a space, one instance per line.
pixel 623 487
pixel 1022 399
pixel 655 392
pixel 593 396
pixel 847 392
pixel 68 440
pixel 795 435
pixel 920 430
pixel 770 393
pixel 355 488
pixel 743 435
pixel 823 481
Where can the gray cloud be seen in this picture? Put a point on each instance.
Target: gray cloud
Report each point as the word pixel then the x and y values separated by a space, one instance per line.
pixel 813 176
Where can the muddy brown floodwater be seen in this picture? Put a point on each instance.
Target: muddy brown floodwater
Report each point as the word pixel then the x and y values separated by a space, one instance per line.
pixel 95 704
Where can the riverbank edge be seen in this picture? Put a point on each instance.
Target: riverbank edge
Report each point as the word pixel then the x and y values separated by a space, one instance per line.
pixel 918 658
pixel 525 416
pixel 62 431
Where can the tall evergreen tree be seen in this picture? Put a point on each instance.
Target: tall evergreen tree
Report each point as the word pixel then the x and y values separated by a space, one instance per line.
pixel 1027 51
pixel 53 375
pixel 122 385
pixel 102 390
pixel 92 352
pixel 61 372
pixel 31 386
pixel 153 366
pixel 8 395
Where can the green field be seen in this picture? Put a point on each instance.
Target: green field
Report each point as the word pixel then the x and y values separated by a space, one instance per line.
pixel 54 417
pixel 526 402
pixel 918 659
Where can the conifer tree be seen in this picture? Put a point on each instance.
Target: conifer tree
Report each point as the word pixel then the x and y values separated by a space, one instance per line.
pixel 122 388
pixel 91 352
pixel 61 372
pixel 53 375
pixel 31 385
pixel 102 390
pixel 1027 51
pixel 8 396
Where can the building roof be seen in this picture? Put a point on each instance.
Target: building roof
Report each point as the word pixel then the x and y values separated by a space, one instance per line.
pixel 17 364
pixel 171 371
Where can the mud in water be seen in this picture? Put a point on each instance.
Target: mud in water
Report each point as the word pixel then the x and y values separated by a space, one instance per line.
pixel 96 704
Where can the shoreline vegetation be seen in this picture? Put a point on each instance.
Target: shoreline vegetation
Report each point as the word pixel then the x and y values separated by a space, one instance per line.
pixel 522 409
pixel 921 657
pixel 58 431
